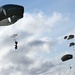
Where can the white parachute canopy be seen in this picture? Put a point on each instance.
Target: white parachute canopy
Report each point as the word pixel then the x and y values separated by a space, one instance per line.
pixel 14 35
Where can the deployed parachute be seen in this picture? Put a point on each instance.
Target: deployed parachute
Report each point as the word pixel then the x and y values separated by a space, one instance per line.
pixel 67 57
pixel 65 37
pixel 71 44
pixel 14 36
pixel 69 37
pixel 10 13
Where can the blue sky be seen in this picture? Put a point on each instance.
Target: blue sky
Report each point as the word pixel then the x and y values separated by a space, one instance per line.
pixel 40 39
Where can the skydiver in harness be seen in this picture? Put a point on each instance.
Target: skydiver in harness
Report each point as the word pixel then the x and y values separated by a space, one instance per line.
pixel 16 44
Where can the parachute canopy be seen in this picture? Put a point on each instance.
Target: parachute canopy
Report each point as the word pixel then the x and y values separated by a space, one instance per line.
pixel 10 13
pixel 65 37
pixel 69 37
pixel 14 35
pixel 71 44
pixel 67 57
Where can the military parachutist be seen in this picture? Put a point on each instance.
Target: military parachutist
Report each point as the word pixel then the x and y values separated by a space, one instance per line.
pixel 16 44
pixel 70 67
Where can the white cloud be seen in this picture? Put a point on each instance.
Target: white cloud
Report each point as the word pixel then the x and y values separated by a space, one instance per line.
pixel 34 48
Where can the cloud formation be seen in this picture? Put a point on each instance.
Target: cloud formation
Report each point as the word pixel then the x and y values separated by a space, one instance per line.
pixel 34 45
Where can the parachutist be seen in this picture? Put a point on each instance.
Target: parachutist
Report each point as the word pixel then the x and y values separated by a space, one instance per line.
pixel 70 67
pixel 16 44
pixel 14 36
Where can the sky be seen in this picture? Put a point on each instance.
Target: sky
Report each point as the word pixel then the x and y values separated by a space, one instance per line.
pixel 40 36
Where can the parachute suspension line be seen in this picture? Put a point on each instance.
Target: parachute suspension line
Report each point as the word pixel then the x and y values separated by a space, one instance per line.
pixel 73 47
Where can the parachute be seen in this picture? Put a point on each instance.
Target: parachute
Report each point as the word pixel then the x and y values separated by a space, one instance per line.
pixel 67 57
pixel 14 37
pixel 10 13
pixel 69 37
pixel 71 44
pixel 65 37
